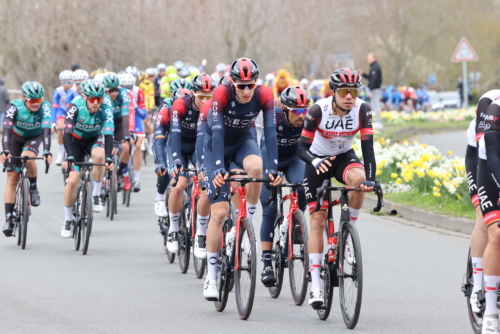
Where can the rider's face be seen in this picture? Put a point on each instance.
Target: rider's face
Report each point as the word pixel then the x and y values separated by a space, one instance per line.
pixel 244 96
pixel 93 104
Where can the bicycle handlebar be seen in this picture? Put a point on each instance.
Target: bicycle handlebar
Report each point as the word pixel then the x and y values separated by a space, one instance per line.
pixel 25 158
pixel 272 193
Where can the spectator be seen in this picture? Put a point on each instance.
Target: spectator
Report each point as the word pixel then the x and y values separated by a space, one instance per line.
pixel 374 83
pixel 4 101
pixel 460 89
pixel 75 67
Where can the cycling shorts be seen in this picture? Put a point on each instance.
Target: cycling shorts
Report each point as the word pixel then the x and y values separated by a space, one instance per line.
pixel 85 147
pixel 119 134
pixel 18 145
pixel 139 127
pixel 187 155
pixel 61 114
pixel 488 194
pixel 340 166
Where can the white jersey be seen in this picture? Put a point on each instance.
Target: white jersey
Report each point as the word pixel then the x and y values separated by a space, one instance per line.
pixel 482 146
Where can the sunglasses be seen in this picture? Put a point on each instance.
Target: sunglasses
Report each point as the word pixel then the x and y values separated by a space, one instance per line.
pixel 66 82
pixel 78 83
pixel 94 100
pixel 243 86
pixel 344 91
pixel 35 101
pixel 298 111
pixel 112 90
pixel 202 97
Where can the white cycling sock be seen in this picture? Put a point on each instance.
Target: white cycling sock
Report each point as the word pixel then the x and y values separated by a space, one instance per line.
pixel 174 217
pixel 61 150
pixel 159 197
pixel 477 274
pixel 491 294
pixel 68 213
pixel 137 175
pixel 251 208
pixel 97 188
pixel 212 265
pixel 201 225
pixel 354 213
pixel 314 268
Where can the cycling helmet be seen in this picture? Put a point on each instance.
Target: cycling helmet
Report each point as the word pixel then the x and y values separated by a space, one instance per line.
pixel 99 70
pixel 132 70
pixel 171 69
pixel 181 92
pixel 184 72
pixel 194 71
pixel 178 65
pixel 66 75
pixel 304 82
pixel 180 83
pixel 172 76
pixel 244 69
pixel 203 82
pixel 150 71
pixel 92 88
pixel 32 90
pixel 269 77
pixel 126 79
pixel 225 80
pixel 99 77
pixel 161 67
pixel 345 77
pixel 294 97
pixel 282 73
pixel 111 80
pixel 80 75
pixel 221 67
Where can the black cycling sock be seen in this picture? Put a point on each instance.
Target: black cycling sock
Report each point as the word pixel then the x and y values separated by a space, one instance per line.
pixel 121 167
pixel 268 258
pixel 9 208
pixel 32 182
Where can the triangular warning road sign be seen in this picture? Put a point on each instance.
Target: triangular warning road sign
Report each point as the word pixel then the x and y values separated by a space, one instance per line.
pixel 464 52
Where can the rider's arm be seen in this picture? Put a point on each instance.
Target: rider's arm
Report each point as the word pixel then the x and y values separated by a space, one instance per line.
pixel 178 111
pixel 161 132
pixel 200 132
pixel 55 105
pixel 69 125
pixel 8 125
pixel 108 130
pixel 219 101
pixel 492 141
pixel 311 123
pixel 267 102
pixel 365 121
pixel 124 110
pixel 482 106
pixel 131 112
pixel 46 125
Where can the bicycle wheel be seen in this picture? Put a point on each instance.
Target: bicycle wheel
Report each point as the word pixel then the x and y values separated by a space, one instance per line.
pixel 112 194
pixel 476 320
pixel 184 239
pixel 170 255
pixel 86 218
pixel 78 224
pixel 299 266
pixel 278 259
pixel 199 264
pixel 25 213
pixel 350 278
pixel 18 210
pixel 222 279
pixel 129 193
pixel 245 277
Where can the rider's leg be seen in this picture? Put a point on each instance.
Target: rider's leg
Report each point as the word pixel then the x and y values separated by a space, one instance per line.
pixel 354 177
pixel 478 242
pixel 203 214
pixel 60 145
pixel 218 215
pixel 98 171
pixel 175 202
pixel 253 167
pixel 138 159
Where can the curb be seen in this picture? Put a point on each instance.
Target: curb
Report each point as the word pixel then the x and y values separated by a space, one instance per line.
pixel 422 216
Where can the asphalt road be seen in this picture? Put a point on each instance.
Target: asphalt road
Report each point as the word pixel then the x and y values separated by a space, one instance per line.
pixel 125 285
pixel 454 141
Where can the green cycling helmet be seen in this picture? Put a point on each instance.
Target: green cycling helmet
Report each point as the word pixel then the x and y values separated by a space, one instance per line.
pixel 171 69
pixel 32 90
pixel 111 80
pixel 92 88
pixel 172 76
pixel 180 83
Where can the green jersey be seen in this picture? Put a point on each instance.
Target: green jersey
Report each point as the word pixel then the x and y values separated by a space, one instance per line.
pixel 121 104
pixel 84 125
pixel 25 123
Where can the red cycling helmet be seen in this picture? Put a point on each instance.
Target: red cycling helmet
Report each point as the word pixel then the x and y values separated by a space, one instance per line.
pixel 244 69
pixel 294 97
pixel 203 82
pixel 181 92
pixel 345 77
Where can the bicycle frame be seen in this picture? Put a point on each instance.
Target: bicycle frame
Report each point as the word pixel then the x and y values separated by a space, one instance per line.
pixel 195 194
pixel 294 206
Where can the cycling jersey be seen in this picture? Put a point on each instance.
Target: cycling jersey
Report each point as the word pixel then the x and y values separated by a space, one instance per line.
pixel 72 93
pixel 131 111
pixel 59 103
pixel 149 93
pixel 184 121
pixel 200 132
pixel 120 105
pixel 287 137
pixel 483 103
pixel 162 128
pixel 139 98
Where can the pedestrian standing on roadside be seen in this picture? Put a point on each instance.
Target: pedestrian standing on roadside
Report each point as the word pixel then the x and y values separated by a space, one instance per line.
pixel 374 78
pixel 4 101
pixel 460 89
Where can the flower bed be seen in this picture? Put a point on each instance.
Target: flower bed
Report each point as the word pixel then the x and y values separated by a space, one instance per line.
pixel 395 117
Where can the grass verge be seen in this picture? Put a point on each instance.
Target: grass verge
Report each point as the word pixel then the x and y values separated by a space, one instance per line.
pixel 399 132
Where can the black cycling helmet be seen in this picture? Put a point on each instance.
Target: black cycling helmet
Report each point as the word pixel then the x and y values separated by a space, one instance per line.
pixel 225 80
pixel 203 82
pixel 345 77
pixel 294 97
pixel 244 69
pixel 181 92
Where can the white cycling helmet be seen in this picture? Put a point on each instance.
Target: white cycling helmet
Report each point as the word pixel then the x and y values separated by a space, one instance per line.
pixel 80 75
pixel 99 77
pixel 133 70
pixel 126 79
pixel 221 67
pixel 150 71
pixel 161 66
pixel 304 82
pixel 269 77
pixel 66 75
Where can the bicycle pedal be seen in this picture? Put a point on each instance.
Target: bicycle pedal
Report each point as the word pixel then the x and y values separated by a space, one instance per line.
pixel 308 277
pixel 213 299
pixel 319 307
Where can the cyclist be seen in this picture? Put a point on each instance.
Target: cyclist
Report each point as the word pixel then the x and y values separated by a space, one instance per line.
pixel 120 102
pixel 59 108
pixel 161 68
pixel 98 71
pixel 185 114
pixel 479 237
pixel 282 81
pixel 175 85
pixel 220 71
pixel 88 120
pixel 162 129
pixel 148 88
pixel 289 123
pixel 78 77
pixel 26 124
pixel 234 109
pixel 326 147
pixel 165 91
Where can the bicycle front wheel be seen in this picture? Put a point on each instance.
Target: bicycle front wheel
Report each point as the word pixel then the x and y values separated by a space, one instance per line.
pixel 25 212
pixel 86 217
pixel 77 227
pixel 184 238
pixel 351 276
pixel 113 194
pixel 476 320
pixel 279 260
pixel 199 264
pixel 298 266
pixel 245 277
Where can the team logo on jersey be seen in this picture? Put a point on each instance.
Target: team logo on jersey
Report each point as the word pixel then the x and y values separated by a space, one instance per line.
pixel 340 123
pixel 233 104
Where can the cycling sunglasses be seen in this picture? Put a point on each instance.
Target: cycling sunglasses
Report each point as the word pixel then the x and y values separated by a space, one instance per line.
pixel 94 100
pixel 202 97
pixel 66 82
pixel 298 111
pixel 344 91
pixel 112 90
pixel 78 83
pixel 35 101
pixel 243 86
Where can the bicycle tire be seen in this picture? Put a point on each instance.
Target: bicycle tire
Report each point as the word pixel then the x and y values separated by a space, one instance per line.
pixel 299 267
pixel 248 264
pixel 279 261
pixel 223 279
pixel 87 217
pixel 108 197
pixel 18 209
pixel 170 255
pixel 113 194
pixel 124 197
pixel 199 264
pixel 184 238
pixel 25 213
pixel 78 225
pixel 475 320
pixel 351 305
pixel 17 226
pixel 129 193
pixel 328 269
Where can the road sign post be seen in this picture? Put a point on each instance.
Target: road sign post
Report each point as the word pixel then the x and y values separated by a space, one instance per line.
pixel 464 53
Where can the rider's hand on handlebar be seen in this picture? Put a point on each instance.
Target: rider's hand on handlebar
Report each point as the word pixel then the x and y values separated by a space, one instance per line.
pixel 109 164
pixel 5 156
pixel 68 163
pixel 367 186
pixel 275 176
pixel 161 170
pixel 174 170
pixel 322 165
pixel 217 179
pixel 47 156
